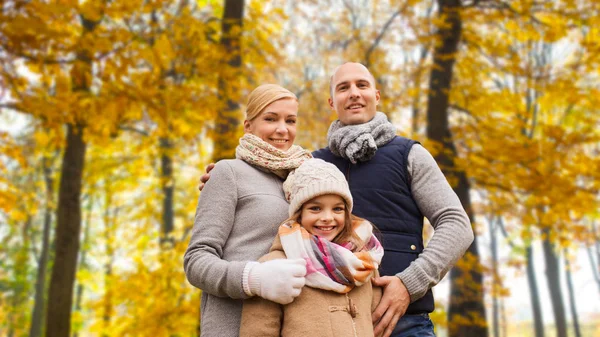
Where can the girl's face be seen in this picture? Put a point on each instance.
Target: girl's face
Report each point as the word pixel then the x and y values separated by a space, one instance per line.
pixel 276 125
pixel 324 216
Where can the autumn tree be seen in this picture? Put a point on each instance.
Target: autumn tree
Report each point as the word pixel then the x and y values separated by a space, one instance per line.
pixel 527 94
pixel 228 118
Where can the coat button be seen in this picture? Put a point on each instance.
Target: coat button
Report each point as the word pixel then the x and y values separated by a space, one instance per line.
pixel 413 247
pixel 352 308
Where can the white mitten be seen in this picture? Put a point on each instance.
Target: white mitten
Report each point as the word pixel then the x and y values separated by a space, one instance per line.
pixel 278 280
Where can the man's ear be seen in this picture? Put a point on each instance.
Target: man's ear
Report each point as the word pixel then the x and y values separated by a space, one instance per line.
pixel 246 126
pixel 330 100
pixel 377 97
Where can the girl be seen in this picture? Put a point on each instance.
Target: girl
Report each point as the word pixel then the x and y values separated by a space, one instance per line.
pixel 233 228
pixel 341 255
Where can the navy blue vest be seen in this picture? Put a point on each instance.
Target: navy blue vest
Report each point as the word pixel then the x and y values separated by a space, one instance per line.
pixel 382 195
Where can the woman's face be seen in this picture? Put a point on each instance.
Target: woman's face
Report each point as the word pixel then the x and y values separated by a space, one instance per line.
pixel 276 125
pixel 324 216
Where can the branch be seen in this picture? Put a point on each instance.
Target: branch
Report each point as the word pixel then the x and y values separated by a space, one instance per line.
pixel 11 106
pixel 44 59
pixel 499 4
pixel 379 37
pixel 461 109
pixel 505 233
pixel 131 128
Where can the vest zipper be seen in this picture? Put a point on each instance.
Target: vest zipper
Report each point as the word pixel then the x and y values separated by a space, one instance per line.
pixel 348 173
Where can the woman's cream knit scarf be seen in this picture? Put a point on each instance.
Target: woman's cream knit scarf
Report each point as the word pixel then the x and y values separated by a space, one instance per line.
pixel 256 151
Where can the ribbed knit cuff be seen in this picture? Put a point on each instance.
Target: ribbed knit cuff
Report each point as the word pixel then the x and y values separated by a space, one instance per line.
pixel 246 278
pixel 413 285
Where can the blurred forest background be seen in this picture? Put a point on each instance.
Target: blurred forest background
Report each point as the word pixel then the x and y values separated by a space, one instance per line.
pixel 111 109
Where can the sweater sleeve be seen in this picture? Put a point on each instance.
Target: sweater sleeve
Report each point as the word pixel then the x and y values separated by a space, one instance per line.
pixel 453 233
pixel 203 261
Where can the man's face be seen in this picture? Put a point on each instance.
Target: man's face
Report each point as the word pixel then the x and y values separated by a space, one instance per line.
pixel 354 96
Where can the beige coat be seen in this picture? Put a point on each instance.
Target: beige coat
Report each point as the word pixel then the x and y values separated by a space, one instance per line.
pixel 315 313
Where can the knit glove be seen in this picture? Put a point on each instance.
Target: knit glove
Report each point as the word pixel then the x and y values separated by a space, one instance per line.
pixel 278 280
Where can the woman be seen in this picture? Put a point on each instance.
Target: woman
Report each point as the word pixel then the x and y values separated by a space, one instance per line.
pixel 233 228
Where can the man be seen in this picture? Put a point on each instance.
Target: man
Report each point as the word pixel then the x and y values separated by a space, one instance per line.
pixel 395 182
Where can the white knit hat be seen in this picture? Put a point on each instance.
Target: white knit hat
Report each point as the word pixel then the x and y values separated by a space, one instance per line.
pixel 313 178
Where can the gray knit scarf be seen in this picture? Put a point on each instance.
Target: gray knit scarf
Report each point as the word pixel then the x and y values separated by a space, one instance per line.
pixel 360 142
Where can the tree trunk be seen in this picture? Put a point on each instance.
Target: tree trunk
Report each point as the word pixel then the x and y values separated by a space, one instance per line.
pixel 595 268
pixel 553 278
pixel 109 237
pixel 595 264
pixel 504 321
pixel 495 285
pixel 574 314
pixel 37 317
pixel 228 119
pixel 168 187
pixel 538 320
pixel 466 294
pixel 68 229
pixel 60 297
pixel 83 259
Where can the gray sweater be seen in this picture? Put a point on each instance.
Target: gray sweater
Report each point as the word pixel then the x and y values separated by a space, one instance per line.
pixel 440 205
pixel 237 217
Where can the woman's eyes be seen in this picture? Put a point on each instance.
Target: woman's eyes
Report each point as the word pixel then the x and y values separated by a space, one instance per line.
pixel 273 119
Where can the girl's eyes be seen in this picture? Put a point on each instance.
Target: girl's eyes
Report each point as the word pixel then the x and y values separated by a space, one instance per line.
pixel 318 208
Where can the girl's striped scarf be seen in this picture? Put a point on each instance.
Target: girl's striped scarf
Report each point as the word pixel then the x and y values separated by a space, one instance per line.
pixel 256 151
pixel 331 266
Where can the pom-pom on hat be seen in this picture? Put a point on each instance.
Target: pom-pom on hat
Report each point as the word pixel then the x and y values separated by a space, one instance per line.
pixel 315 177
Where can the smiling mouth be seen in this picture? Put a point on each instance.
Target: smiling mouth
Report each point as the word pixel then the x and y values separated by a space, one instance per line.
pixel 354 106
pixel 325 228
pixel 279 141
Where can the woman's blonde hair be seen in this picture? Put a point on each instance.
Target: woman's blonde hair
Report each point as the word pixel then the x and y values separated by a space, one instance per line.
pixel 264 95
